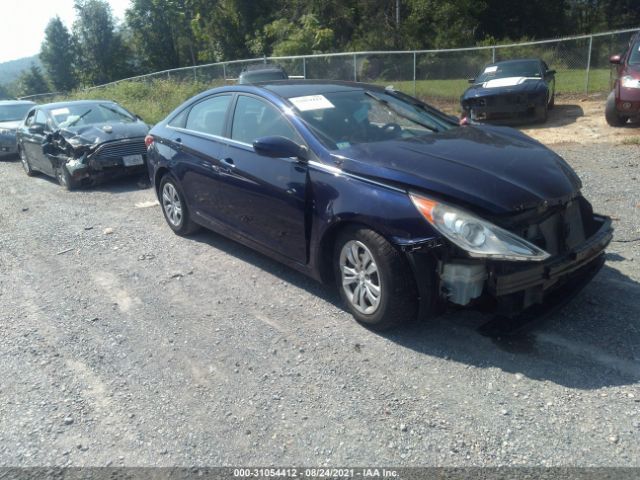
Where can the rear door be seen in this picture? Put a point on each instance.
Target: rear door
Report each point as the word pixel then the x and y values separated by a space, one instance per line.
pixel 197 147
pixel 259 197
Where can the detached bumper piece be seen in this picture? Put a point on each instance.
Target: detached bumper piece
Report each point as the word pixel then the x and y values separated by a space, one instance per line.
pixel 518 287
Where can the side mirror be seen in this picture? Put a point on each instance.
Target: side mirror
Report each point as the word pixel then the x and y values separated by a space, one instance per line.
pixel 550 72
pixel 471 80
pixel 615 59
pixel 280 147
pixel 36 129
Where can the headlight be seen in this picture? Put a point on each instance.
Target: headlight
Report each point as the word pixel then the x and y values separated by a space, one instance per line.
pixel 6 131
pixel 629 82
pixel 477 237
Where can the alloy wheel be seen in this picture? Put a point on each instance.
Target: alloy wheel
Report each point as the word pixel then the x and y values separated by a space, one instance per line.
pixel 171 204
pixel 360 277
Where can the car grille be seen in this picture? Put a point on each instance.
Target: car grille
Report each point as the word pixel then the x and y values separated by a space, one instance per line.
pixel 121 149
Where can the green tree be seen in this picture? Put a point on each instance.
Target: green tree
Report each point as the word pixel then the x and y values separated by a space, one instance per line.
pixel 161 33
pixel 32 82
pixel 305 36
pixel 58 56
pixel 102 56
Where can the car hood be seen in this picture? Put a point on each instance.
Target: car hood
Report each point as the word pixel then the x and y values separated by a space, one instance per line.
pixel 494 169
pixel 500 86
pixel 100 133
pixel 12 125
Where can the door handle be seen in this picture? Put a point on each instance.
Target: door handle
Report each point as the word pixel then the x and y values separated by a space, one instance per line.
pixel 228 161
pixel 178 143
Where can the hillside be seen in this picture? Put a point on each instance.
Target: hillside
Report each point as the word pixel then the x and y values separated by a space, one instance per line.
pixel 10 71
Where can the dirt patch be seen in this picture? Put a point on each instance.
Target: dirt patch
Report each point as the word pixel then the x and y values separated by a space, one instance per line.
pixel 580 121
pixel 575 119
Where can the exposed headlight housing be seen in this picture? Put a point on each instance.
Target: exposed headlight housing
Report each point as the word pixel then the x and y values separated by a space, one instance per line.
pixel 629 82
pixel 474 235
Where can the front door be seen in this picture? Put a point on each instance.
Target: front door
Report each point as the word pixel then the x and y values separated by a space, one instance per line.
pixel 263 198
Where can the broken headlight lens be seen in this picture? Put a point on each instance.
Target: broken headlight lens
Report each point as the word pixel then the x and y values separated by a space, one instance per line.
pixel 476 236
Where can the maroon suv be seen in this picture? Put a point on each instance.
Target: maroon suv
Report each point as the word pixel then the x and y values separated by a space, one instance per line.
pixel 623 102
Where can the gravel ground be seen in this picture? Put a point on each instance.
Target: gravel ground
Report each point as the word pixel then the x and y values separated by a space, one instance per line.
pixel 123 344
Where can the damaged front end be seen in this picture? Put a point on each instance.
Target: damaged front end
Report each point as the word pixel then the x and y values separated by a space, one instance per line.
pixel 551 252
pixel 86 159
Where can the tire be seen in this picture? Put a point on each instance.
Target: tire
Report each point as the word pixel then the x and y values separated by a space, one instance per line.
pixel 363 261
pixel 174 207
pixel 25 162
pixel 611 114
pixel 542 113
pixel 65 179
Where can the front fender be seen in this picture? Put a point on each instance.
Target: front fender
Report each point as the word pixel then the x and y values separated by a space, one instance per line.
pixel 340 199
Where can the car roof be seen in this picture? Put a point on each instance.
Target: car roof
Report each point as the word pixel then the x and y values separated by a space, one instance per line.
pixel 49 106
pixel 16 102
pixel 301 88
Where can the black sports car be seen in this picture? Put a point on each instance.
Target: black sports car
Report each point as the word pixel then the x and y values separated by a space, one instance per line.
pixel 79 141
pixel 510 90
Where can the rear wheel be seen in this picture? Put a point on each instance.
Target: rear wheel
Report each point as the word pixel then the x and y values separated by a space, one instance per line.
pixel 174 207
pixel 374 279
pixel 25 163
pixel 611 113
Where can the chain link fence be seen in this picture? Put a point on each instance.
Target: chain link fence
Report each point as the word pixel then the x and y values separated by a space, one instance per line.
pixel 581 63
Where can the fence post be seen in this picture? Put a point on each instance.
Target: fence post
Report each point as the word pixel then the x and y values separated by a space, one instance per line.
pixel 195 74
pixel 355 68
pixel 224 72
pixel 586 85
pixel 414 74
pixel 493 55
pixel 168 75
pixel 304 67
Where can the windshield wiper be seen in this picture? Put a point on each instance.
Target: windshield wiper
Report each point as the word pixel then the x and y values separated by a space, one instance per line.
pixel 79 118
pixel 115 111
pixel 398 112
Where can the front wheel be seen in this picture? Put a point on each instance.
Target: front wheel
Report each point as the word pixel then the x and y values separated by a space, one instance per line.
pixel 374 279
pixel 174 207
pixel 65 179
pixel 611 114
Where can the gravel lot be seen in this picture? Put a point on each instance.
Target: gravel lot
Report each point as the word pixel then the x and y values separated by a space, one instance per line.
pixel 140 348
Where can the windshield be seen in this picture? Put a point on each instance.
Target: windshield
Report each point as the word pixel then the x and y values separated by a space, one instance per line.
pixel 342 119
pixel 634 58
pixel 511 69
pixel 89 114
pixel 11 113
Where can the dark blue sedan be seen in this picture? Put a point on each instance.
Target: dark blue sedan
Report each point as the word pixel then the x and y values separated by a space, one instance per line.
pixel 405 210
pixel 510 91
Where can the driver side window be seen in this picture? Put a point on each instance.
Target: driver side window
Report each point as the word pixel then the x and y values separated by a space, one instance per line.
pixel 41 118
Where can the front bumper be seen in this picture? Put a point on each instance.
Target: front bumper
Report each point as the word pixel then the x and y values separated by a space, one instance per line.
pixel 504 107
pixel 517 287
pixel 8 148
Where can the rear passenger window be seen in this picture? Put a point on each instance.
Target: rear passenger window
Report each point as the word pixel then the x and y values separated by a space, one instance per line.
pixel 254 118
pixel 208 116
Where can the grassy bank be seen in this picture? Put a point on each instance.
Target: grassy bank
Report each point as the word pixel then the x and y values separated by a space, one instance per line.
pixel 155 99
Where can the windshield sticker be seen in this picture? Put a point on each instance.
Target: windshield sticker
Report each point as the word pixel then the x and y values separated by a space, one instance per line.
pixel 491 69
pixel 311 102
pixel 60 111
pixel 343 145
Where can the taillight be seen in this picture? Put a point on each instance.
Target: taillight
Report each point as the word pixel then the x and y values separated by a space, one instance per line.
pixel 148 140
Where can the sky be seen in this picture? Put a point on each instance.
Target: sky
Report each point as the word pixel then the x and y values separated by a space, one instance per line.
pixel 24 21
